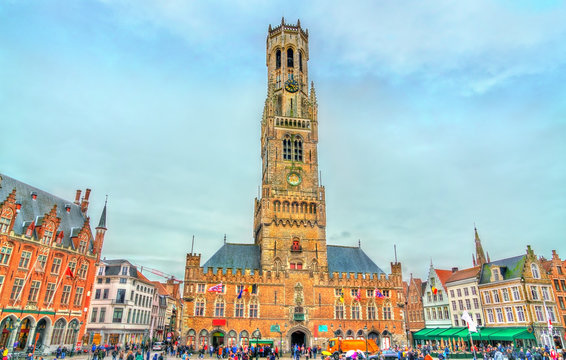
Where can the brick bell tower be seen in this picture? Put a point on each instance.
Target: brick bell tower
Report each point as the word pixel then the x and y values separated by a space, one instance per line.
pixel 290 216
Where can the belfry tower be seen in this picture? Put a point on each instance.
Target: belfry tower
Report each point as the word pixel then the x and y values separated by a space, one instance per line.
pixel 290 216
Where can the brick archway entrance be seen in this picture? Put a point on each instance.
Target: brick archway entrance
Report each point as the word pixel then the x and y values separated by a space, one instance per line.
pixel 299 338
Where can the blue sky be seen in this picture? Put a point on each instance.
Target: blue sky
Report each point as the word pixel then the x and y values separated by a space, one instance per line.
pixel 434 115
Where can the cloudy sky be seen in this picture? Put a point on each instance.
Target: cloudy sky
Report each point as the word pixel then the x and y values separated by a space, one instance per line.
pixel 434 116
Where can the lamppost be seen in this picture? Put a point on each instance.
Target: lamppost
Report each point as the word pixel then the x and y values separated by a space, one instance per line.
pixel 366 332
pixel 256 335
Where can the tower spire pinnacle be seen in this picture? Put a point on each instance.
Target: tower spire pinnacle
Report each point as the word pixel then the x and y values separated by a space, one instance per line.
pixel 480 254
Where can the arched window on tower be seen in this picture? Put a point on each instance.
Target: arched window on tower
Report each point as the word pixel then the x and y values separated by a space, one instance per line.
pixel 287 148
pixel 278 59
pixel 290 61
pixel 300 61
pixel 298 149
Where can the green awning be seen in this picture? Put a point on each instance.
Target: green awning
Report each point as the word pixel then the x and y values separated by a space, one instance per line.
pixel 450 332
pixel 435 334
pixel 421 334
pixel 464 333
pixel 508 334
pixel 261 341
pixel 525 335
pixel 483 333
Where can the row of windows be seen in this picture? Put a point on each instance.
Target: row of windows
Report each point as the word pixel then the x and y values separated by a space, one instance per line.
pixel 294 207
pixel 468 304
pixel 304 124
pixel 134 317
pixel 504 295
pixel 458 319
pixel 290 59
pixel 35 286
pixel 512 314
pixel 458 292
pixel 138 299
pixel 40 262
pixel 370 293
pixel 220 306
pixel 434 297
pixel 437 313
pixel 372 312
pixel 415 315
pixel 252 289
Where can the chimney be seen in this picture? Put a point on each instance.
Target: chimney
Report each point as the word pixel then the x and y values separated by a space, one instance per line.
pixel 454 269
pixel 84 203
pixel 78 197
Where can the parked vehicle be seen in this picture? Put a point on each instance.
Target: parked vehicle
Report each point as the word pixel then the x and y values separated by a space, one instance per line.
pixel 158 346
pixel 338 346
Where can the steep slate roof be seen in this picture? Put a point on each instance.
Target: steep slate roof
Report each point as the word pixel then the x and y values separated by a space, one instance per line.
pixel 423 287
pixel 350 260
pixel 247 256
pixel 464 274
pixel 34 210
pixel 443 275
pixel 511 268
pixel 234 256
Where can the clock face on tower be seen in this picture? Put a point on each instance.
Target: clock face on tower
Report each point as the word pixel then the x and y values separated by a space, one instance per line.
pixel 294 179
pixel 291 85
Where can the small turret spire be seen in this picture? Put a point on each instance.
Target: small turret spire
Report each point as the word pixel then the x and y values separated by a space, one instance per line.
pixel 480 254
pixel 102 222
pixel 224 238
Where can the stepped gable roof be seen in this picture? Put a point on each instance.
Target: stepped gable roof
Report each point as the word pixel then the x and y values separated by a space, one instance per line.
pixel 443 275
pixel 464 274
pixel 34 210
pixel 418 283
pixel 347 259
pixel 234 256
pixel 423 287
pixel 511 268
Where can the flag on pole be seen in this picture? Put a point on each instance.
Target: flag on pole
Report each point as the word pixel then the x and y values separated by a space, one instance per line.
pixel 472 325
pixel 379 294
pixel 241 291
pixel 342 296
pixel 216 288
pixel 434 290
pixel 359 295
pixel 548 319
pixel 69 273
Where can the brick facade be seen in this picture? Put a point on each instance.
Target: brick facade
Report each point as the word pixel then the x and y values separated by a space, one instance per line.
pixel 307 289
pixel 41 236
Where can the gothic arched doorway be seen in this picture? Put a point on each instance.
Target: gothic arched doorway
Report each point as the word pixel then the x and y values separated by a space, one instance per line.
pixel 217 338
pixel 24 333
pixel 40 332
pixel 298 338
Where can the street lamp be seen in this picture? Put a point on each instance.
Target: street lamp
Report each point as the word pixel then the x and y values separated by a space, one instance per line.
pixel 256 335
pixel 366 332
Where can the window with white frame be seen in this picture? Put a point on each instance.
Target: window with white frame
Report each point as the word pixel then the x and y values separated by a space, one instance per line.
pixel 5 253
pixel 466 292
pixel 468 304
pixel 199 307
pixel 509 314
pixel 476 303
pixel 34 290
pixel 490 317
pixel 24 260
pixel 516 293
pixel 534 292
pixel 474 290
pixel 201 288
pixel 539 314
pixel 253 309
pixel 386 313
pixel 505 293
pixel 478 319
pixel 545 294
pixel 239 309
pixel 495 294
pixel 486 297
pixel 219 308
pixel 356 311
pixel 550 310
pixel 520 313
pixel 339 310
pixel 534 271
pixel 371 312
pixel 499 314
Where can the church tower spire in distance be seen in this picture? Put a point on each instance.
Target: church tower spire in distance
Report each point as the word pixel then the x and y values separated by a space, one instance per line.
pixel 480 254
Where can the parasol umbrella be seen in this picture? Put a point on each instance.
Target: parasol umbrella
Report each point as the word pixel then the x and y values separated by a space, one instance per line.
pixel 442 343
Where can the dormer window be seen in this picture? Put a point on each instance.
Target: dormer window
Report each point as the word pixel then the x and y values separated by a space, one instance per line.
pixel 101 270
pixel 496 274
pixel 47 236
pixel 124 270
pixel 4 224
pixel 82 245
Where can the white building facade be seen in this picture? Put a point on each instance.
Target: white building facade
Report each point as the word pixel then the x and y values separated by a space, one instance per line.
pixel 121 305
pixel 463 295
pixel 435 300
